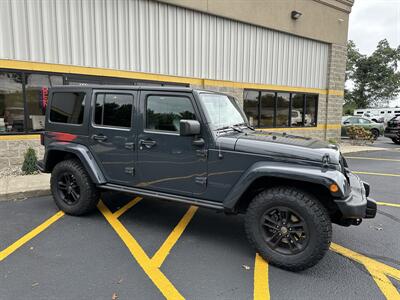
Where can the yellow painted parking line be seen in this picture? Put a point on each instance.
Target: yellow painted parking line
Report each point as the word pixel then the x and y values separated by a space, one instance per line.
pixel 30 235
pixel 384 284
pixel 376 174
pixel 261 280
pixel 372 158
pixel 158 278
pixel 388 204
pixel 379 271
pixel 174 236
pixel 126 207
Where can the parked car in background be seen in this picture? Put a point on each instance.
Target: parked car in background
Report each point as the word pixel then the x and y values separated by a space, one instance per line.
pixel 392 130
pixel 376 129
pixel 373 117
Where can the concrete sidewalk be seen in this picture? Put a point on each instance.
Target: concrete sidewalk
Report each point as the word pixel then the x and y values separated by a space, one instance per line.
pixel 21 187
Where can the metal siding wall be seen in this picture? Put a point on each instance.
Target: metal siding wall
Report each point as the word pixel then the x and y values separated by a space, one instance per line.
pixel 148 36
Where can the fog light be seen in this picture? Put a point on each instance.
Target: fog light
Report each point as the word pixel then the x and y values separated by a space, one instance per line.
pixel 334 188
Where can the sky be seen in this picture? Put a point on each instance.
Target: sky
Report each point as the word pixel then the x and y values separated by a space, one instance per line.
pixel 372 21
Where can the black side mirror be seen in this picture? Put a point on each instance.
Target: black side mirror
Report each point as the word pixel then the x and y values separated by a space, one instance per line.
pixel 189 127
pixel 346 123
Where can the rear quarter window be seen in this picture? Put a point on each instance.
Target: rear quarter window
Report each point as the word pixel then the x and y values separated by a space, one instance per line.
pixel 67 107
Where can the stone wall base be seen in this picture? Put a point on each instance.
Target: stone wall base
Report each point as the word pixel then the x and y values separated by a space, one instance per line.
pixel 12 152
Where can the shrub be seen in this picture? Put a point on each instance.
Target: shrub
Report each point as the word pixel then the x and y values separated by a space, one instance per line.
pixel 30 160
pixel 359 134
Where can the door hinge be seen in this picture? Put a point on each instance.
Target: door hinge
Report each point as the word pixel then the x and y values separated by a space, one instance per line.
pixel 202 153
pixel 130 170
pixel 130 146
pixel 201 180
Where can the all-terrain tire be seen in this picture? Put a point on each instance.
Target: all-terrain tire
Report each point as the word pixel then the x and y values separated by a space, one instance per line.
pixel 308 208
pixel 396 141
pixel 88 193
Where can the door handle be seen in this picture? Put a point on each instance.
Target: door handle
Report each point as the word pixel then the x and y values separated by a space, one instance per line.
pixel 147 143
pixel 99 137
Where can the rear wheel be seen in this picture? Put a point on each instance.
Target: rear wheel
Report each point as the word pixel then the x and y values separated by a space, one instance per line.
pixel 375 133
pixel 72 189
pixel 288 227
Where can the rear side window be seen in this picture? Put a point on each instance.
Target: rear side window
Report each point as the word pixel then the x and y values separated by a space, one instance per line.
pixel 114 110
pixel 165 112
pixel 67 107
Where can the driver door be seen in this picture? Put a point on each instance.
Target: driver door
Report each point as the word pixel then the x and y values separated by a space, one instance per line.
pixel 166 160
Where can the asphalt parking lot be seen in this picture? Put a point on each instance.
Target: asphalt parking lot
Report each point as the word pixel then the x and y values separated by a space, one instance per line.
pixel 134 248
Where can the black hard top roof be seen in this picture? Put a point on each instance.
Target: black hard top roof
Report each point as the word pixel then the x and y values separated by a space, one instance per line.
pixel 125 87
pixel 132 87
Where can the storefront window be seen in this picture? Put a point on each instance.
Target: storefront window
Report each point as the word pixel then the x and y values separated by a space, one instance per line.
pixel 297 110
pixel 271 109
pixel 267 109
pixel 282 109
pixel 250 106
pixel 11 103
pixel 36 88
pixel 311 110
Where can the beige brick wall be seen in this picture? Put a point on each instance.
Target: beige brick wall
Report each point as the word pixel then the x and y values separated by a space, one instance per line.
pixel 12 152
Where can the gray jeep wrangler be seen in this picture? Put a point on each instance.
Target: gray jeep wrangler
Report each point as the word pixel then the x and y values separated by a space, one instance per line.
pixel 196 147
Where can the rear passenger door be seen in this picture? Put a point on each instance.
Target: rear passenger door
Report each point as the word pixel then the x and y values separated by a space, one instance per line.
pixel 112 135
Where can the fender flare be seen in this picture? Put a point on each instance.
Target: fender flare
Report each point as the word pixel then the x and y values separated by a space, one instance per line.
pixel 84 155
pixel 316 175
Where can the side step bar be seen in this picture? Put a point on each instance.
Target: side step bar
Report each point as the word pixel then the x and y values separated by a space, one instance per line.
pixel 165 196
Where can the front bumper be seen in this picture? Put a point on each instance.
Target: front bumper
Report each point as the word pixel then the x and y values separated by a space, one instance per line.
pixel 357 205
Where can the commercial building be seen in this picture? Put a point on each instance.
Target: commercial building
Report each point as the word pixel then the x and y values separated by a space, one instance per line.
pixel 283 60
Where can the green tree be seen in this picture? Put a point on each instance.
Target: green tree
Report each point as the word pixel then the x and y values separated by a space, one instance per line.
pixel 375 78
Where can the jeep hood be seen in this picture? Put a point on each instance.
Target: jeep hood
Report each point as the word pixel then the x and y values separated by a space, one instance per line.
pixel 279 145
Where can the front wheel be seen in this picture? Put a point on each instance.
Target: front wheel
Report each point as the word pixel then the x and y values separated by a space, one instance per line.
pixel 72 189
pixel 288 227
pixel 396 141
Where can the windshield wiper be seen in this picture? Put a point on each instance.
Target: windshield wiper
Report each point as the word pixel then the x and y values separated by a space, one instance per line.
pixel 233 127
pixel 245 124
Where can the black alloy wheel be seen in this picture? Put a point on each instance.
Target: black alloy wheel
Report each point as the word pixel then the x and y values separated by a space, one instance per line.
pixel 73 190
pixel 68 188
pixel 284 230
pixel 288 227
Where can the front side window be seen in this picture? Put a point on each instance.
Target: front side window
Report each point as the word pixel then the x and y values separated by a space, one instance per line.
pixel 67 107
pixel 11 103
pixel 165 112
pixel 114 110
pixel 221 111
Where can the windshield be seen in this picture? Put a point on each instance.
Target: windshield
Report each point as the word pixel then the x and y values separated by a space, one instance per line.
pixel 221 111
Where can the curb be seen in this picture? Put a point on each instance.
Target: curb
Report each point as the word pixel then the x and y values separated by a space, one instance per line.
pixel 24 195
pixel 22 187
